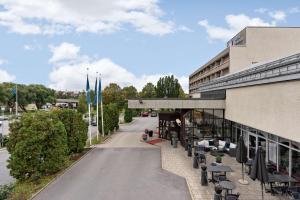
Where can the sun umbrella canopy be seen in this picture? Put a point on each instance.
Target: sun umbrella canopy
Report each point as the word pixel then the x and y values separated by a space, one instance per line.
pixel 259 170
pixel 241 151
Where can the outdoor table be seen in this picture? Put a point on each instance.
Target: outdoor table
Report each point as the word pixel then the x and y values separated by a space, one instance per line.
pixel 227 185
pixel 280 178
pixel 218 169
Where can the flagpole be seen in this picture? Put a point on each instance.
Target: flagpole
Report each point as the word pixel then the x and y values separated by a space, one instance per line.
pixel 89 105
pixel 97 120
pixel 16 100
pixel 101 100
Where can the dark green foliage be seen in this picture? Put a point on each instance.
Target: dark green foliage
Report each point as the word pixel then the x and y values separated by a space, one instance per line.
pixel 168 86
pixel 129 92
pixel 27 94
pixel 113 94
pixel 5 190
pixel 110 118
pixel 76 129
pixel 82 105
pixel 127 115
pixel 37 146
pixel 148 91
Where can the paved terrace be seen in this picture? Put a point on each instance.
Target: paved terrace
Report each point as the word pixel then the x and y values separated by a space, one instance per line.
pixel 177 162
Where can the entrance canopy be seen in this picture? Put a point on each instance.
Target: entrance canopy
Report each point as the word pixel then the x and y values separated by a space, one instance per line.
pixel 176 103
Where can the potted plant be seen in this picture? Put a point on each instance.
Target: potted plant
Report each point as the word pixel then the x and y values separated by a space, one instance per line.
pixel 145 136
pixel 218 159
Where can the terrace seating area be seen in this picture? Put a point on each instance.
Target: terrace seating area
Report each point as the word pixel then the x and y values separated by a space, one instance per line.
pixel 225 175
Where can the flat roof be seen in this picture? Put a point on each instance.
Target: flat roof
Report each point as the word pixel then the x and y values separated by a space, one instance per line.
pixel 172 103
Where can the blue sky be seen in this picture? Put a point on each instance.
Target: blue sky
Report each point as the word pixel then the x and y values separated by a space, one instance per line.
pixel 128 42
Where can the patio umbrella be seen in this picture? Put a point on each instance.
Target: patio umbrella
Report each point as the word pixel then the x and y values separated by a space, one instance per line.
pixel 241 157
pixel 259 170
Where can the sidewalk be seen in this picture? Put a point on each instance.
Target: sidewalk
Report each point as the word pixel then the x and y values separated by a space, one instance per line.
pixel 176 161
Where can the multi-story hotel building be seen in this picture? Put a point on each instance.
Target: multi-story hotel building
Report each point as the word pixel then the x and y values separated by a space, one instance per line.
pixel 250 89
pixel 258 76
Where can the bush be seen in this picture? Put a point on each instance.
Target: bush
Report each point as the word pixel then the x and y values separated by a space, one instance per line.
pixel 128 115
pixel 110 118
pixel 37 146
pixel 76 129
pixel 5 191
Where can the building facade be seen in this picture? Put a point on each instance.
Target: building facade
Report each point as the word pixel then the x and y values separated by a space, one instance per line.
pixel 250 46
pixel 262 97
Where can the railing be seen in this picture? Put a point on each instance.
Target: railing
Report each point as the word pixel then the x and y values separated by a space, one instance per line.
pixel 287 68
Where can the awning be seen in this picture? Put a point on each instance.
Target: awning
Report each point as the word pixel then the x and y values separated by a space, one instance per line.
pixel 174 103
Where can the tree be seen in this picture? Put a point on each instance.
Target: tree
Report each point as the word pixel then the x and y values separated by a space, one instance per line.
pixel 148 91
pixel 168 86
pixel 76 129
pixel 40 95
pixel 37 145
pixel 110 117
pixel 113 94
pixel 129 92
pixel 82 105
pixel 127 115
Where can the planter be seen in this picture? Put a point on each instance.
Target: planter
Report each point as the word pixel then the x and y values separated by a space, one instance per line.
pixel 150 133
pixel 145 137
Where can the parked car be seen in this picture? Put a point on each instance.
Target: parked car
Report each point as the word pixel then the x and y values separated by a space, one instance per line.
pixel 145 114
pixel 153 114
pixel 94 123
pixel 2 118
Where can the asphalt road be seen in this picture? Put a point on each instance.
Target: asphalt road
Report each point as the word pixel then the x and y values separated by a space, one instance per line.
pixel 5 178
pixel 125 170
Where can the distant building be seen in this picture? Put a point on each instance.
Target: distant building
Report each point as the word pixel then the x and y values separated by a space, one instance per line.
pixel 67 103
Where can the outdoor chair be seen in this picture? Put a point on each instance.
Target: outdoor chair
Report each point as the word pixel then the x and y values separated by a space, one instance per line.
pixel 295 196
pixel 222 178
pixel 292 189
pixel 232 196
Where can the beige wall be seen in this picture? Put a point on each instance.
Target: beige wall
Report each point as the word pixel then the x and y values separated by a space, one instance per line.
pixel 264 44
pixel 274 108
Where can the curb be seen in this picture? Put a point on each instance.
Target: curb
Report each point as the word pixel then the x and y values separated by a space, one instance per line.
pixel 61 173
pixel 133 120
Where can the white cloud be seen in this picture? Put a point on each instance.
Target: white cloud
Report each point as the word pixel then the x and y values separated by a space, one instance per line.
pixel 2 61
pixel 235 24
pixel 96 16
pixel 63 52
pixel 28 47
pixel 6 77
pixel 184 28
pixel 278 15
pixel 71 75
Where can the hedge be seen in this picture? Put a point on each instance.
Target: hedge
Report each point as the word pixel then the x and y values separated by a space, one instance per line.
pixel 37 145
pixel 110 118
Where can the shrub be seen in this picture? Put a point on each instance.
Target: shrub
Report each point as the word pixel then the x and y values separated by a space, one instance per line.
pixel 37 146
pixel 110 118
pixel 76 129
pixel 5 191
pixel 128 115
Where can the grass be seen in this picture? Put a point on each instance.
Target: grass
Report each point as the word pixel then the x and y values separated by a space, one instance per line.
pixel 95 141
pixel 24 190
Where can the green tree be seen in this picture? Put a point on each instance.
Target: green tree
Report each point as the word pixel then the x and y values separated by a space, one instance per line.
pixel 148 91
pixel 110 117
pixel 76 129
pixel 113 94
pixel 37 145
pixel 168 86
pixel 128 115
pixel 129 92
pixel 82 105
pixel 40 95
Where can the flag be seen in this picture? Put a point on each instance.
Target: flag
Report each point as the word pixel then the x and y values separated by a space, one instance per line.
pixel 88 98
pixel 95 96
pixel 99 91
pixel 14 91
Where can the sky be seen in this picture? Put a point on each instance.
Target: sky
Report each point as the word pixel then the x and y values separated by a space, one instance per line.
pixel 128 42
